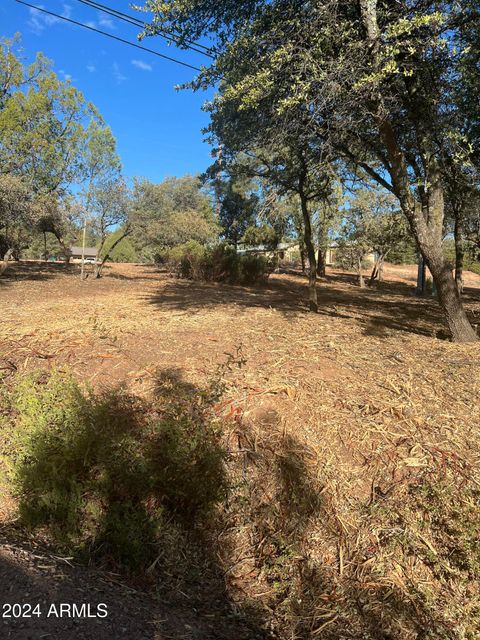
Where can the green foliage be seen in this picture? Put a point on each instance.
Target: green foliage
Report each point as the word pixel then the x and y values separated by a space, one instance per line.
pixel 51 138
pixel 124 251
pixel 190 260
pixel 372 222
pixel 102 474
pixel 16 213
pixel 469 263
pixel 105 199
pixel 169 213
pixel 403 252
pixel 252 268
pixel 13 73
pixel 220 263
pixel 263 234
pixel 48 121
pixel 238 205
pixel 474 266
pixel 367 86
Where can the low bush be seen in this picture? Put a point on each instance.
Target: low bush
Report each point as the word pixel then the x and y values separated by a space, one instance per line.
pixel 103 473
pixel 220 263
pixel 473 266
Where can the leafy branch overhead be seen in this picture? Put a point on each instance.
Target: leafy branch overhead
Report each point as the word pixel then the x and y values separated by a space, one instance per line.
pixel 386 89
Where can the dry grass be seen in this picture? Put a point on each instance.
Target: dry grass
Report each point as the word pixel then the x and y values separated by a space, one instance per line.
pixel 353 434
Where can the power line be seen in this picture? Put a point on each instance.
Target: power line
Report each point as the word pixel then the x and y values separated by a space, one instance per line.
pixel 161 32
pixel 194 46
pixel 109 35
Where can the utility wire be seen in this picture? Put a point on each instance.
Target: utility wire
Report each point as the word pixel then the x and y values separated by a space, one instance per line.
pixel 194 46
pixel 163 32
pixel 109 35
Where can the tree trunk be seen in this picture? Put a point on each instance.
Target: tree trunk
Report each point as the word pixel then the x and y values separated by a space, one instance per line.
pixel 459 252
pixel 374 274
pixel 361 281
pixel 66 250
pixel 312 263
pixel 377 270
pixel 97 271
pixel 448 294
pixel 380 268
pixel 322 251
pixel 5 261
pixel 426 222
pixel 427 226
pixel 276 260
pixel 321 263
pixel 302 258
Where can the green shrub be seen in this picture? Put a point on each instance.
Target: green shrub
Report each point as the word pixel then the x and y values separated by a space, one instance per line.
pixel 473 266
pixel 251 268
pixel 220 263
pixel 223 264
pixel 470 262
pixel 102 476
pixel 190 260
pixel 127 534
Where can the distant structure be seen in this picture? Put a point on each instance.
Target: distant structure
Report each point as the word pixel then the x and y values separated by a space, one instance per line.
pixel 291 252
pixel 90 254
pixel 284 251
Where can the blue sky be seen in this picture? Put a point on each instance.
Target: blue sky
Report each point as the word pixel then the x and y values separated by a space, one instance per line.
pixel 158 129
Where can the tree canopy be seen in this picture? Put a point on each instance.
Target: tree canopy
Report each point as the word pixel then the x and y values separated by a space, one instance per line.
pixel 171 212
pixel 371 83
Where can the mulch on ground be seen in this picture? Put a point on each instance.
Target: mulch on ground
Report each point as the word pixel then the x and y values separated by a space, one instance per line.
pixel 366 390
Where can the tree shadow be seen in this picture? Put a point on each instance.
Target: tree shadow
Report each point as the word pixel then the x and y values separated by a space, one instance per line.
pixel 318 578
pixel 134 487
pixel 234 528
pixel 37 271
pixel 32 578
pixel 392 307
pixel 137 272
pixel 194 297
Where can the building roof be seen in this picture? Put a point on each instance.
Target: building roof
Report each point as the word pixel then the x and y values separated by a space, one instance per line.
pixel 282 246
pixel 76 252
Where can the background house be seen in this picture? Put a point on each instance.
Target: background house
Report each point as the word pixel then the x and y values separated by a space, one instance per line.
pixel 290 252
pixel 89 252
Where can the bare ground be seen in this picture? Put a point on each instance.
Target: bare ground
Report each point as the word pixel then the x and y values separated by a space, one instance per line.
pixel 31 574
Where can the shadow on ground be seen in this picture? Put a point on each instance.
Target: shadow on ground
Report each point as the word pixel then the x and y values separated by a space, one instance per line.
pixel 37 271
pixel 379 310
pixel 309 567
pixel 131 489
pixel 248 541
pixel 31 577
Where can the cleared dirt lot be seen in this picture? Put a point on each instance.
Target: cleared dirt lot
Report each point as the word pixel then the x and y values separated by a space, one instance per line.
pixel 364 390
pixel 135 318
pixel 369 355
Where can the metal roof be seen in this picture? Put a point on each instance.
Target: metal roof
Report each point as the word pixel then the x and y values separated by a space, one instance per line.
pixel 89 251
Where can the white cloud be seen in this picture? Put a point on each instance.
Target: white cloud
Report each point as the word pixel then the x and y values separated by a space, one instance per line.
pixel 117 74
pixel 65 76
pixel 142 65
pixel 105 22
pixel 91 68
pixel 39 21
